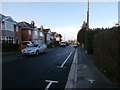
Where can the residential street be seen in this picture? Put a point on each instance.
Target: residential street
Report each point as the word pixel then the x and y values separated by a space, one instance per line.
pixel 65 45
pixel 54 70
pixel 33 71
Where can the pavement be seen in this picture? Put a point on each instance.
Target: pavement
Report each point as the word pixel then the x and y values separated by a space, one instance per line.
pixel 84 74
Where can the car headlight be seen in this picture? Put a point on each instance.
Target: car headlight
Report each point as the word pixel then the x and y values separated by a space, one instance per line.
pixel 23 50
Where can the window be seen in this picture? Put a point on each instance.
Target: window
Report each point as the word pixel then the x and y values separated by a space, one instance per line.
pixel 3 38
pixel 29 32
pixel 9 26
pixel 17 29
pixel 3 25
pixel 41 34
pixel 35 33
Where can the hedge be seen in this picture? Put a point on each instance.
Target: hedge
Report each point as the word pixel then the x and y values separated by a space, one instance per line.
pixel 9 47
pixel 89 36
pixel 106 46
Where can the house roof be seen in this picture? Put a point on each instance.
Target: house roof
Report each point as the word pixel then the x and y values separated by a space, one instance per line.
pixel 2 16
pixel 6 18
pixel 46 30
pixel 18 24
pixel 26 25
pixel 54 33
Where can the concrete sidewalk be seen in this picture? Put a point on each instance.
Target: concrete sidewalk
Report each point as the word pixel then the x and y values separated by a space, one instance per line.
pixel 84 74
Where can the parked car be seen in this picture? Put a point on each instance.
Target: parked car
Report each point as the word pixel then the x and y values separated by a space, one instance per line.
pixel 28 43
pixel 62 44
pixel 35 49
pixel 67 44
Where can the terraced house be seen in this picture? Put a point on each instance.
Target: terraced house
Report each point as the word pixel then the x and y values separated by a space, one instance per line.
pixel 26 31
pixel 16 32
pixel 31 33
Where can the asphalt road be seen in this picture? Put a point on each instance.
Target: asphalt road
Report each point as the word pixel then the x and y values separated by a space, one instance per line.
pixel 48 70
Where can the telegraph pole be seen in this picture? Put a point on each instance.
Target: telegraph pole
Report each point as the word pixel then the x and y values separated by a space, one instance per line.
pixel 88 14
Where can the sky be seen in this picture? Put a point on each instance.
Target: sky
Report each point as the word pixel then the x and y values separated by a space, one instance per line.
pixel 65 18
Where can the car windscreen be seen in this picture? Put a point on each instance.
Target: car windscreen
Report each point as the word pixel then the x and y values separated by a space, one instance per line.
pixel 63 42
pixel 35 45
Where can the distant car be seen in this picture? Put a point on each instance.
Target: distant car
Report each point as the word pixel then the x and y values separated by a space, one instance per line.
pixel 28 43
pixel 75 45
pixel 62 44
pixel 35 49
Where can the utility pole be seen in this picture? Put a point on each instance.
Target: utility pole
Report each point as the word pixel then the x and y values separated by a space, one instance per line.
pixel 88 14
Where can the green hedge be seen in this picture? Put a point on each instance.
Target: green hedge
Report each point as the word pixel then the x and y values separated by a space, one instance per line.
pixel 9 47
pixel 89 36
pixel 106 46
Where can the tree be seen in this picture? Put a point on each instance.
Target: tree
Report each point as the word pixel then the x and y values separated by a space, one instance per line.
pixel 81 33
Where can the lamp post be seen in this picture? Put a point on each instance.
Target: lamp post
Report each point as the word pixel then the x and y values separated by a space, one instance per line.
pixel 88 14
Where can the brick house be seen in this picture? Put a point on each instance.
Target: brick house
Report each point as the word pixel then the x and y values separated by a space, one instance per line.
pixel 17 33
pixel 26 31
pixel 54 37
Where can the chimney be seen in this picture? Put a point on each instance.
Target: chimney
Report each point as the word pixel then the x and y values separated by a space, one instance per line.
pixel 32 23
pixel 42 27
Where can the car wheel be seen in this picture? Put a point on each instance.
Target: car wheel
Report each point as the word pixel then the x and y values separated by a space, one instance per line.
pixel 37 53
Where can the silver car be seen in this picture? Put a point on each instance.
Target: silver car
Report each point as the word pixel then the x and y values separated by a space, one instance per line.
pixel 35 49
pixel 62 44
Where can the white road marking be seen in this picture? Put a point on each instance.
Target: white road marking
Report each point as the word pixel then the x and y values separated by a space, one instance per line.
pixel 50 83
pixel 91 81
pixel 66 59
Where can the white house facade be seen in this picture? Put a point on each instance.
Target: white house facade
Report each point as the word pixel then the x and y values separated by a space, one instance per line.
pixel 7 28
pixel 49 37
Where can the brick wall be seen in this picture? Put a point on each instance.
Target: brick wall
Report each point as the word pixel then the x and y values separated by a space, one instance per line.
pixel 26 36
pixel 17 34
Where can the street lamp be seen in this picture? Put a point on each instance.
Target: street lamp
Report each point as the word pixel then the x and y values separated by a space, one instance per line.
pixel 88 14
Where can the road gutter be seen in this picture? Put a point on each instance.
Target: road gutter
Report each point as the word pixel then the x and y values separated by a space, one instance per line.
pixel 72 77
